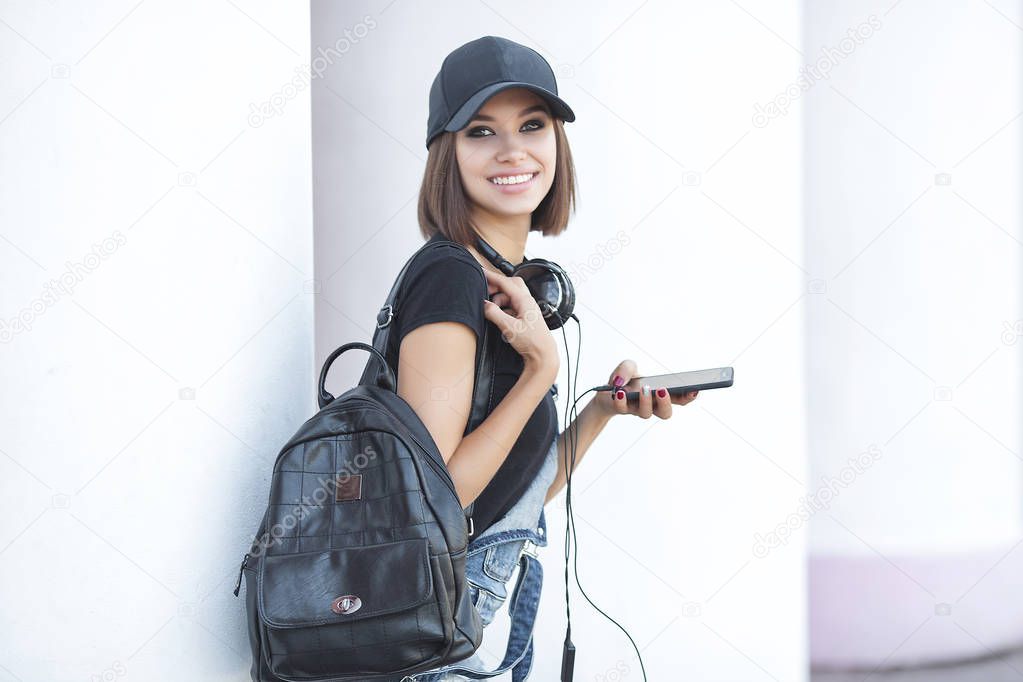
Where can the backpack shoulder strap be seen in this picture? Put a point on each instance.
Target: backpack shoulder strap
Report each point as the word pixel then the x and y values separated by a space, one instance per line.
pixel 483 385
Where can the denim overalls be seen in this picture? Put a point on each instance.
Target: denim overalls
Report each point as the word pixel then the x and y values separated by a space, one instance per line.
pixel 490 560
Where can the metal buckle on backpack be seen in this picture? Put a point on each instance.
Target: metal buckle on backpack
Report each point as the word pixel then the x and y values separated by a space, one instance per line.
pixel 382 320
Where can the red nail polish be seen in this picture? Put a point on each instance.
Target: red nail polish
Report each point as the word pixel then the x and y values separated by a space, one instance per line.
pixel 661 392
pixel 618 381
pixel 620 395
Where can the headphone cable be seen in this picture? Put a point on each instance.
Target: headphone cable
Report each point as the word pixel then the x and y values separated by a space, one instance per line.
pixel 571 441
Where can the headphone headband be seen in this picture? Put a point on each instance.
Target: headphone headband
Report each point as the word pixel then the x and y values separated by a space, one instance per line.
pixel 499 261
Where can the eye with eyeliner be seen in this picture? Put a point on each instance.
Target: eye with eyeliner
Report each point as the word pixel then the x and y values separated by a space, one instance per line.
pixel 471 132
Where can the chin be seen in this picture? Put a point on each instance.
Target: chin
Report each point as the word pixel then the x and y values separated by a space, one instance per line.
pixel 513 208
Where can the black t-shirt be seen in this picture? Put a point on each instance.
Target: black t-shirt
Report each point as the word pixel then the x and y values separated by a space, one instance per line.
pixel 445 285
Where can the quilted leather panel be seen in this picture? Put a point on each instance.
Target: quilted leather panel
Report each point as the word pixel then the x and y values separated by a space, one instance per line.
pixel 305 515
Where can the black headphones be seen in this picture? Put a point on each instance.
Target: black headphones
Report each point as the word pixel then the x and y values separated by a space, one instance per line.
pixel 547 282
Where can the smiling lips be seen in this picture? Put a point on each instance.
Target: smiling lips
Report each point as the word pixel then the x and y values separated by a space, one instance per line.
pixel 505 180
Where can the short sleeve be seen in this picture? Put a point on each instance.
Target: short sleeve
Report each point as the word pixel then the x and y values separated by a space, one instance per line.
pixel 445 289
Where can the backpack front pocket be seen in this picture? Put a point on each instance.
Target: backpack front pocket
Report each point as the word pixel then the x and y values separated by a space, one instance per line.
pixel 364 621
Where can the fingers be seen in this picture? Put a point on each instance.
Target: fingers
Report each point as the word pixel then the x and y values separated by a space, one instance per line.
pixel 502 320
pixel 516 297
pixel 646 403
pixel 620 402
pixel 621 375
pixel 626 369
pixel 662 403
pixel 651 402
pixel 685 398
pixel 513 287
pixel 501 299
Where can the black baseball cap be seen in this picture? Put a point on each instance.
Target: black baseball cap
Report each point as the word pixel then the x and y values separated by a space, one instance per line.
pixel 481 68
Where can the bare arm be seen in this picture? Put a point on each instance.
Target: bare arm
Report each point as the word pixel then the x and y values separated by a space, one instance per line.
pixel 436 364
pixel 590 422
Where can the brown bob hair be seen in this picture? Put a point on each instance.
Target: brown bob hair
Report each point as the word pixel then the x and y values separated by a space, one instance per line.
pixel 444 205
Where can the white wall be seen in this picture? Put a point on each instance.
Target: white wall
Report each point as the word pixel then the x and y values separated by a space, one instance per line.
pixel 668 155
pixel 143 406
pixel 155 323
pixel 913 171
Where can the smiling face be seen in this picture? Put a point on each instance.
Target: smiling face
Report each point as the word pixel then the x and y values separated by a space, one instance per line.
pixel 507 154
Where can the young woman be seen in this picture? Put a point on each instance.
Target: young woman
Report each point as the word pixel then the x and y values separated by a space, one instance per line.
pixel 499 166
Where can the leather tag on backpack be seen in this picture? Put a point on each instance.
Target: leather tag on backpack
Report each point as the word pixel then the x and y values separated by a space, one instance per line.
pixel 348 487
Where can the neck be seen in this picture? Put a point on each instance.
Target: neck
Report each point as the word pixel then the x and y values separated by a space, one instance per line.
pixel 507 235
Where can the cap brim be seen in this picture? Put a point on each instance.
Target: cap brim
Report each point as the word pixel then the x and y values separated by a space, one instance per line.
pixel 465 113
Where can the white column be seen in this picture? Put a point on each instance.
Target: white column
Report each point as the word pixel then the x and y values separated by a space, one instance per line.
pixel 913 172
pixel 155 242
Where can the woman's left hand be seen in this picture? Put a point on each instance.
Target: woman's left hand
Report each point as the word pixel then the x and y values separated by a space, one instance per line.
pixel 654 402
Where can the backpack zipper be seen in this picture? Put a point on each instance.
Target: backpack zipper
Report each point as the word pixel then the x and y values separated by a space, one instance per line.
pixel 238 585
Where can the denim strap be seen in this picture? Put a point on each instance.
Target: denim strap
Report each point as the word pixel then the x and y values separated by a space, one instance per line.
pixel 522 608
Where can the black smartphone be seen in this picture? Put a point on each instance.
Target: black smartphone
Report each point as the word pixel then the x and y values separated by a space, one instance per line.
pixel 681 383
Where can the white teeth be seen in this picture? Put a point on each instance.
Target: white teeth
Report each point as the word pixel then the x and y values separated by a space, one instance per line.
pixel 513 179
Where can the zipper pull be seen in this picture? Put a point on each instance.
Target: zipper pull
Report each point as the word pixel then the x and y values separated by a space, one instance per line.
pixel 238 585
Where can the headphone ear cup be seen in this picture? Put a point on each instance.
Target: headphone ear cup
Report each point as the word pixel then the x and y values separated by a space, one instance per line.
pixel 549 283
pixel 567 303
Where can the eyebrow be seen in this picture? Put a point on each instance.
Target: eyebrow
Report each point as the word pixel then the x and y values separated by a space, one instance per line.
pixel 527 110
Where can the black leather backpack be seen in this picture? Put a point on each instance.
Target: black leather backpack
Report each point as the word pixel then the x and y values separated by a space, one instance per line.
pixel 357 571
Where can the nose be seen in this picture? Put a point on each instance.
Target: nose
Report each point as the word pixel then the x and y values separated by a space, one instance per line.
pixel 511 149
